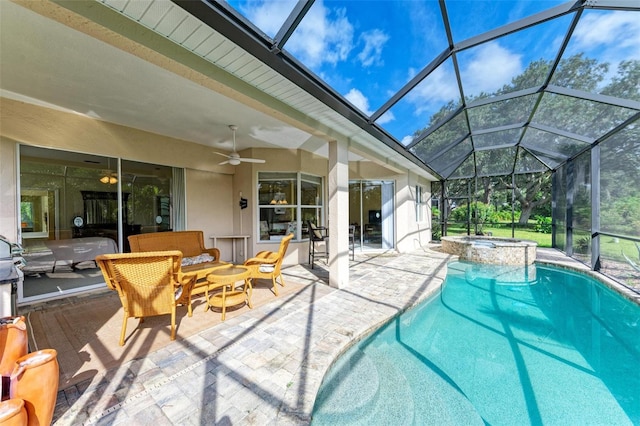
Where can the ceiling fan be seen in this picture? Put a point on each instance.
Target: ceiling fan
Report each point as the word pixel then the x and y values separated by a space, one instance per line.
pixel 234 158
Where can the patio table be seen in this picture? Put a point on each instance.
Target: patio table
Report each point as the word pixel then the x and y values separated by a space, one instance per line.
pixel 224 279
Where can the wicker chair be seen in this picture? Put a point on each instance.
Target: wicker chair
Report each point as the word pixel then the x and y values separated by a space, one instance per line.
pixel 147 284
pixel 267 264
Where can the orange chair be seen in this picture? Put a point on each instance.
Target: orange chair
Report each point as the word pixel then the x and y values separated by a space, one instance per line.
pixel 267 264
pixel 148 284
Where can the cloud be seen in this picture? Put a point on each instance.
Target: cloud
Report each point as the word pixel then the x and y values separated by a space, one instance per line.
pixel 268 15
pixel 618 32
pixel 358 100
pixel 490 67
pixel 374 41
pixel 324 36
pixel 437 89
pixel 361 102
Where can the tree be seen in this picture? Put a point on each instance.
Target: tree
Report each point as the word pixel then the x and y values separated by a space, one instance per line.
pixel 531 191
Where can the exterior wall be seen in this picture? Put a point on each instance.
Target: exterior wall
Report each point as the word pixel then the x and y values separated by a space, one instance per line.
pixel 206 182
pixel 209 206
pixel 409 234
pixel 212 191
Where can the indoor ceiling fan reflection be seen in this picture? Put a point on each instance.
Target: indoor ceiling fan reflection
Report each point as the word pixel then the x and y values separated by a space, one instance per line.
pixel 234 158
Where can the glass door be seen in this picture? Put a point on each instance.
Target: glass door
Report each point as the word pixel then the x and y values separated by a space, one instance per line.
pixel 64 223
pixel 371 210
pixel 76 206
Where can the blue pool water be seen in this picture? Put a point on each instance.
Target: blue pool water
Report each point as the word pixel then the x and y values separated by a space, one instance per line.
pixel 532 345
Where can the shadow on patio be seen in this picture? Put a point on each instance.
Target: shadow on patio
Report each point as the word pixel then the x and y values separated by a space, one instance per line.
pixel 259 366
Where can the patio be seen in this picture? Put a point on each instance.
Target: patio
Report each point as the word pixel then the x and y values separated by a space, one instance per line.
pixel 264 366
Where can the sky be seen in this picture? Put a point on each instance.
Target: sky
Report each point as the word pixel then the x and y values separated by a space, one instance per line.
pixel 368 50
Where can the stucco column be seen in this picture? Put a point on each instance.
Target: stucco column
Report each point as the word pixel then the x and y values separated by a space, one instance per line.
pixel 338 214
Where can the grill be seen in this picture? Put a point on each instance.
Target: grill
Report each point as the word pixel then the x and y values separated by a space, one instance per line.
pixel 10 276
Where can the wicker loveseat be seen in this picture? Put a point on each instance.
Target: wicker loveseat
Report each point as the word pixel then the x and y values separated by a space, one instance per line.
pixel 196 259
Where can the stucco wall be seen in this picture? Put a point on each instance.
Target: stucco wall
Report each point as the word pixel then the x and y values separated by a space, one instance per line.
pixel 210 206
pixel 213 191
pixel 207 183
pixel 409 233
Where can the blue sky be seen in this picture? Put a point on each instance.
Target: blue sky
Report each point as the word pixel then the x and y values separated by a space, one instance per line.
pixel 367 50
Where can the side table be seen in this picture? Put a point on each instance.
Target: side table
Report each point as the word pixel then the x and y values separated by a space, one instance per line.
pixel 224 279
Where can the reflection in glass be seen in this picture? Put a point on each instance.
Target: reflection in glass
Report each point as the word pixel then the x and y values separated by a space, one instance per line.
pixel 69 216
pixel 277 199
pixel 149 204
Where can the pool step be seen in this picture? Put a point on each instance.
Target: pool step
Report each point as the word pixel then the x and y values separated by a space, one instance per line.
pixel 350 388
pixel 352 394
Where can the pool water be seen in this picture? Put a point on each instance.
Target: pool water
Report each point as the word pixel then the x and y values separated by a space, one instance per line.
pixel 554 347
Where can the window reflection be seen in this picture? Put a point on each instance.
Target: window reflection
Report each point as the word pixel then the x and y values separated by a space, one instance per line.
pixel 280 213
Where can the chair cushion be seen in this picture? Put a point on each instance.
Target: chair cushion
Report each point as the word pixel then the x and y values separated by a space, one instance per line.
pixel 193 260
pixel 265 269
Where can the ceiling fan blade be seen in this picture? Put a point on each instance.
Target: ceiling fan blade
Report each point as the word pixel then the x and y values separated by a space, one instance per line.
pixel 223 163
pixel 224 155
pixel 252 160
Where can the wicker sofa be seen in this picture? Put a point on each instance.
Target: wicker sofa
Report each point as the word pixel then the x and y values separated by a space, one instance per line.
pixel 196 259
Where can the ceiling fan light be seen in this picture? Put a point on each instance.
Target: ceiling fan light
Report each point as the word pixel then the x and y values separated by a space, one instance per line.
pixel 110 179
pixel 234 161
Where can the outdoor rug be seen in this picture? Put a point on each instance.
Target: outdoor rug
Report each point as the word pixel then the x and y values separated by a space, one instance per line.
pixel 85 331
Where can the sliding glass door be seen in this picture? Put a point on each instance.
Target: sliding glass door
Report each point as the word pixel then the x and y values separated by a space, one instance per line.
pixel 371 210
pixel 75 206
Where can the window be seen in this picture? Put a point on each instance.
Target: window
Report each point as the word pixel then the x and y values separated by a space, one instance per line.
pixel 286 202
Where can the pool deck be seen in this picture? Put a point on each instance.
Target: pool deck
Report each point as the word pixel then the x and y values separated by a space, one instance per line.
pixel 266 366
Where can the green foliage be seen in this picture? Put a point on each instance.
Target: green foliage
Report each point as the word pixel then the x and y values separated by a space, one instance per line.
pixel 436 233
pixel 482 213
pixel 543 224
pixel 582 245
pixel 622 216
pixel 525 233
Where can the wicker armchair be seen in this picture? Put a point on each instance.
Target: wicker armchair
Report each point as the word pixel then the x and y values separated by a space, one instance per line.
pixel 147 284
pixel 267 264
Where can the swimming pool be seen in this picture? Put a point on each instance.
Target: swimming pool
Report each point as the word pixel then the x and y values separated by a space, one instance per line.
pixel 532 345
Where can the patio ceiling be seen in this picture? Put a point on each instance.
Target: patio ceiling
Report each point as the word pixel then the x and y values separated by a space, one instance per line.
pixel 524 91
